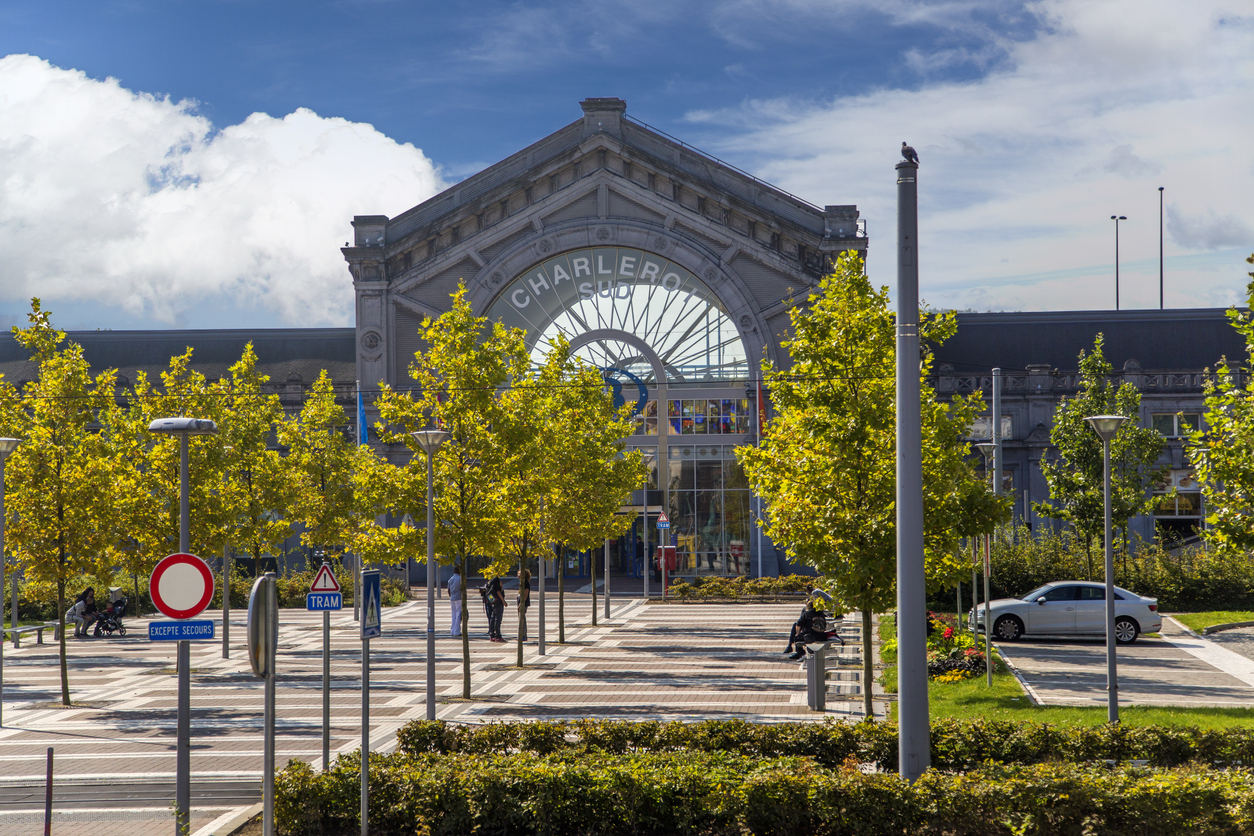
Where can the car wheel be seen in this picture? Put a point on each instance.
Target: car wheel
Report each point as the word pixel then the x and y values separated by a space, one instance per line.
pixel 1126 630
pixel 1007 628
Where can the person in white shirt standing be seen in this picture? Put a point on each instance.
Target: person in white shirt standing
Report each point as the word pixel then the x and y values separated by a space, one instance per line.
pixel 455 599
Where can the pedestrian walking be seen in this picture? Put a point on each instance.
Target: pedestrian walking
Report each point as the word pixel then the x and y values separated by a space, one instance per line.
pixel 494 600
pixel 524 601
pixel 455 599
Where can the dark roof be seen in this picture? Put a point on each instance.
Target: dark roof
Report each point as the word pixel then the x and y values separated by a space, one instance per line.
pixel 1173 339
pixel 281 352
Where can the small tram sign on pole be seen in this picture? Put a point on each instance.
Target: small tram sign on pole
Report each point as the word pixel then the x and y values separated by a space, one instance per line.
pixel 663 521
pixel 324 593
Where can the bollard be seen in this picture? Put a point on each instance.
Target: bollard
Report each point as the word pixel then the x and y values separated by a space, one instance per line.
pixel 48 797
pixel 816 679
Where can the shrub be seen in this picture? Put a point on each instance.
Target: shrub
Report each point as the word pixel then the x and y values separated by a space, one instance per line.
pixel 787 586
pixel 716 793
pixel 956 744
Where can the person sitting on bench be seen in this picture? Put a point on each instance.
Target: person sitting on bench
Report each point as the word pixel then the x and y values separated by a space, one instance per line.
pixel 811 625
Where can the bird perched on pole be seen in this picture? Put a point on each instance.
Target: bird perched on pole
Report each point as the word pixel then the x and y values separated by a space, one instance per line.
pixel 909 153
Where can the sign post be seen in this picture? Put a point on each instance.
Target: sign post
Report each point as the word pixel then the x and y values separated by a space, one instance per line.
pixel 263 640
pixel 663 525
pixel 325 596
pixel 181 586
pixel 371 626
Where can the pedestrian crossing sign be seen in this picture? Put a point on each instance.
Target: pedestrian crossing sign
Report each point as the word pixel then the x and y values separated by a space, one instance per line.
pixel 371 622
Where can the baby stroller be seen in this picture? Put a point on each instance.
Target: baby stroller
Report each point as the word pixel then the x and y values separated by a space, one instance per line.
pixel 109 620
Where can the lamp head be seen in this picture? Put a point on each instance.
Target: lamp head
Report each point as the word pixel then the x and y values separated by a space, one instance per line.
pixel 1106 426
pixel 183 426
pixel 988 448
pixel 430 440
pixel 7 446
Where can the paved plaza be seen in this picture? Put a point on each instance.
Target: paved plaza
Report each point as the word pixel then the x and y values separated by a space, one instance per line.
pixel 1175 668
pixel 114 749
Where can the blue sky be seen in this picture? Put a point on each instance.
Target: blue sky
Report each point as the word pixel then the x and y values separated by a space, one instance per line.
pixel 196 164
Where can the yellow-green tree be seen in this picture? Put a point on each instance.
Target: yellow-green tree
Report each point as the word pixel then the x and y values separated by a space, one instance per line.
pixel 1223 449
pixel 588 473
pixel 148 465
pixel 827 462
pixel 255 488
pixel 458 378
pixel 60 479
pixel 339 486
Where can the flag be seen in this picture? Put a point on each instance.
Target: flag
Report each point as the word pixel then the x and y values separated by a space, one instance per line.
pixel 761 412
pixel 363 432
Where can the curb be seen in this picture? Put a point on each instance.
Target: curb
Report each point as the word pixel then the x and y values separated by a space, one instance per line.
pixel 1028 690
pixel 1215 628
pixel 227 823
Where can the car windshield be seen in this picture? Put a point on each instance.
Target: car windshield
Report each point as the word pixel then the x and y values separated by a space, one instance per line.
pixel 1038 592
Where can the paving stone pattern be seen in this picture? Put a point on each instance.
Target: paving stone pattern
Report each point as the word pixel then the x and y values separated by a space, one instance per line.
pixel 115 748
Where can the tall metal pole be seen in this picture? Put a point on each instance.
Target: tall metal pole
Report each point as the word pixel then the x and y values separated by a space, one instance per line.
pixel 913 743
pixel 183 752
pixel 267 768
pixel 326 685
pixel 607 579
pixel 1117 219
pixel 3 457
pixel 998 466
pixel 644 563
pixel 226 601
pixel 430 589
pixel 540 612
pixel 365 735
pixel 1112 676
pixel 1160 248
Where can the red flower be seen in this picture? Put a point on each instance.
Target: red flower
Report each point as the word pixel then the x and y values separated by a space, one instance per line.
pixel 949 632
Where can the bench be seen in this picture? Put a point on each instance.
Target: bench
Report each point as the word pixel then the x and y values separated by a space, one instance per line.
pixel 37 629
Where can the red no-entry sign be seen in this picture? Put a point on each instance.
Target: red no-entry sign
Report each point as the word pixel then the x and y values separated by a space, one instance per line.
pixel 181 585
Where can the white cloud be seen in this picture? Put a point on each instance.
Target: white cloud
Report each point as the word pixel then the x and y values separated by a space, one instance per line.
pixel 136 202
pixel 1022 168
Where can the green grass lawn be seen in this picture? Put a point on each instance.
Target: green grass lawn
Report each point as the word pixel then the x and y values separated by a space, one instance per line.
pixel 1197 620
pixel 1006 700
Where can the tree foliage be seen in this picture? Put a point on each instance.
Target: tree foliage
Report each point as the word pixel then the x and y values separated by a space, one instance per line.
pixel 59 481
pixel 1076 478
pixel 826 465
pixel 1223 449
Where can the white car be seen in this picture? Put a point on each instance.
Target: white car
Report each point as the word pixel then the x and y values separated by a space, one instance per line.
pixel 1067 608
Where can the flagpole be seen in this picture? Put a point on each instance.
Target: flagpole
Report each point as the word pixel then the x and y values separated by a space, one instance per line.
pixel 757 431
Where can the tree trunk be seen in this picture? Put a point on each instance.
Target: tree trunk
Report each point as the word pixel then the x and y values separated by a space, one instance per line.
pixel 561 597
pixel 65 668
pixel 465 636
pixel 868 667
pixel 139 609
pixel 522 620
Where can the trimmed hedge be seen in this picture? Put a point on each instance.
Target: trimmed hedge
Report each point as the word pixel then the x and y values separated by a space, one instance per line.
pixel 722 793
pixel 786 587
pixel 956 744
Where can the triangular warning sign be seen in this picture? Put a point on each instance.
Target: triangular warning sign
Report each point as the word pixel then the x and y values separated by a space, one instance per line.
pixel 663 518
pixel 324 581
pixel 371 620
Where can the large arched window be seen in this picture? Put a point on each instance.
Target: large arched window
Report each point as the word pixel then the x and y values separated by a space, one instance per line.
pixel 631 291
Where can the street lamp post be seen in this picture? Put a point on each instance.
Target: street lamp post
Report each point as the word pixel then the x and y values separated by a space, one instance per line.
pixel 989 449
pixel 430 441
pixel 1106 427
pixel 1117 219
pixel 1160 248
pixel 7 446
pixel 184 428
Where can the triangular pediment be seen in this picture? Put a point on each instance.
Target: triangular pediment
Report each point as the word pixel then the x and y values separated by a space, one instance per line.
pixel 601 167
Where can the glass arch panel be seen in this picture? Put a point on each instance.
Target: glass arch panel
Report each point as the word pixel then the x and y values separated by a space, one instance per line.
pixel 631 291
